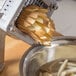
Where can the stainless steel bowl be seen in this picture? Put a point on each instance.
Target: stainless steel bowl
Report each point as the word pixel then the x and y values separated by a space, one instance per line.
pixel 38 55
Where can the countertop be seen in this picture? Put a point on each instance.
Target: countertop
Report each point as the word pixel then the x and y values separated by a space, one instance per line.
pixel 14 50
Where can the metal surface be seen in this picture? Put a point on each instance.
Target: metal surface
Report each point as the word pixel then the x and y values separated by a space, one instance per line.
pixel 1 14
pixel 2 44
pixel 16 33
pixel 10 9
pixel 2 2
pixel 38 55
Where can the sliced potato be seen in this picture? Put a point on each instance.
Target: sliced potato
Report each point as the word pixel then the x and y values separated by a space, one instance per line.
pixel 34 21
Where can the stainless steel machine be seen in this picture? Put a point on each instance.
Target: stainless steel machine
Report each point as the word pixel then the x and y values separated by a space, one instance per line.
pixel 9 11
pixel 45 59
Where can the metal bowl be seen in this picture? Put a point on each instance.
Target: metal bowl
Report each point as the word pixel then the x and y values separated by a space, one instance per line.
pixel 38 55
pixel 58 67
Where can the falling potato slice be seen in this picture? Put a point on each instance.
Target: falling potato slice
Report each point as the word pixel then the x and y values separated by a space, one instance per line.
pixel 39 19
pixel 34 21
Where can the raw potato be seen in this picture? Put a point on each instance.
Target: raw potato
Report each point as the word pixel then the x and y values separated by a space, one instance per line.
pixel 34 21
pixel 63 69
pixel 69 64
pixel 63 66
pixel 70 72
